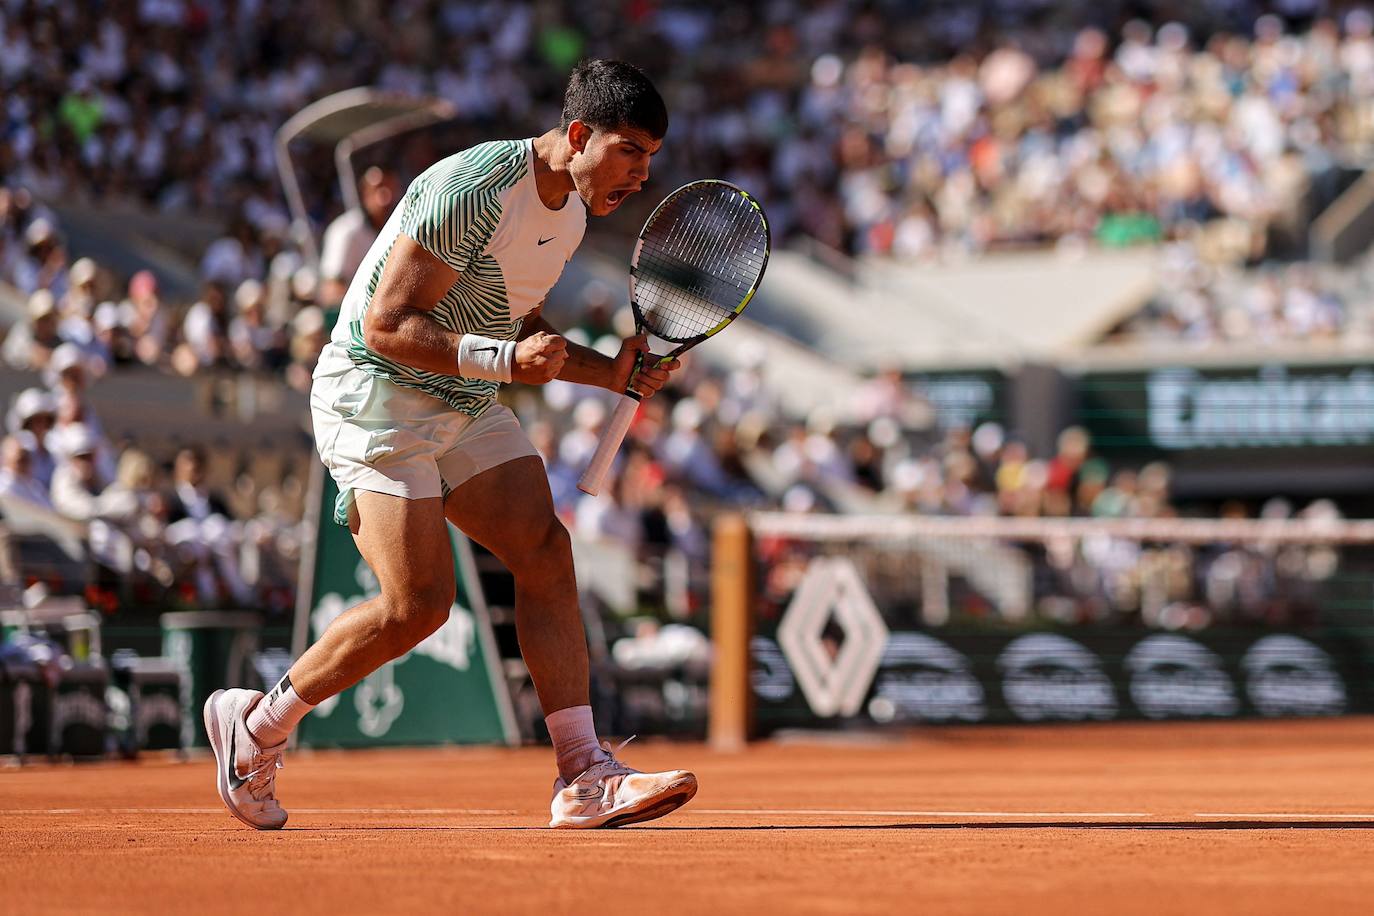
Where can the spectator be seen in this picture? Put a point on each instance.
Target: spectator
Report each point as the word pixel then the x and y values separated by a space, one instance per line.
pixel 137 514
pixel 307 340
pixel 43 266
pixel 687 453
pixel 77 483
pixel 76 421
pixel 30 346
pixel 34 412
pixel 205 341
pixel 16 472
pixel 190 497
pixel 200 528
pixel 562 477
pixel 142 317
pixel 609 517
pixel 351 234
pixel 253 343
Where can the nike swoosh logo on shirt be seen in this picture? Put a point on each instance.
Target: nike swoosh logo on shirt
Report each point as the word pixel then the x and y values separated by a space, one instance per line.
pixel 549 239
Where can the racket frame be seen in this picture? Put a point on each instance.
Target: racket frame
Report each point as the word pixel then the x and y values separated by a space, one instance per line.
pixel 593 478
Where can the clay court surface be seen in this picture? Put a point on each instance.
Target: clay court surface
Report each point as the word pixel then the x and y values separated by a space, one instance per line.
pixel 1216 818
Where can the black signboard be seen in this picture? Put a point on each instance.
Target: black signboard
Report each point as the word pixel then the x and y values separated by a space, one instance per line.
pixel 1239 431
pixel 1080 675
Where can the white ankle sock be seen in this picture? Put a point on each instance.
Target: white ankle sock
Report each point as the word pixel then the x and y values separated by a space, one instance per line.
pixel 276 714
pixel 574 740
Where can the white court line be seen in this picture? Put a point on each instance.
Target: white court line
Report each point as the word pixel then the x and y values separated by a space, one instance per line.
pixel 836 812
pixel 866 812
pixel 800 812
pixel 503 811
pixel 781 812
pixel 1288 815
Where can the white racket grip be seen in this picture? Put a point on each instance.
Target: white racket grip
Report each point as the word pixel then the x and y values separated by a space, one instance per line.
pixel 595 475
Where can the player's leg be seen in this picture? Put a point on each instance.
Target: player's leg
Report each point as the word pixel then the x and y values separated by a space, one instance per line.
pixel 405 542
pixel 509 510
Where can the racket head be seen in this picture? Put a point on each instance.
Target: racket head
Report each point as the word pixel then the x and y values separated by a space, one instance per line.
pixel 698 262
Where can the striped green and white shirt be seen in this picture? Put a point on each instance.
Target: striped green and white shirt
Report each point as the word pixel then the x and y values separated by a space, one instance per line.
pixel 479 212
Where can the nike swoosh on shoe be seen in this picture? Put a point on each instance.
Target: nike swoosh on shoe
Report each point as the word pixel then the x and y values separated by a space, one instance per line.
pixel 234 779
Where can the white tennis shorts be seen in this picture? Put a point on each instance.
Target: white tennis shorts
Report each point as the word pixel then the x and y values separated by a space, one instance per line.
pixel 381 437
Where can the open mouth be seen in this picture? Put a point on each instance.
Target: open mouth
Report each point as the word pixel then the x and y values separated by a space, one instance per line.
pixel 614 198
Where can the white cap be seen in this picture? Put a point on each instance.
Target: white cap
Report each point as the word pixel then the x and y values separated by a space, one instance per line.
pixel 83 271
pixel 248 293
pixel 589 414
pixel 304 282
pixel 75 439
pixel 41 303
pixel 40 230
pixel 106 316
pixel 687 415
pixel 67 356
pixel 308 320
pixel 30 403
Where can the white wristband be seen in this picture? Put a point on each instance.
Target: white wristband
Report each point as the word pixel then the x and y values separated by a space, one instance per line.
pixel 485 358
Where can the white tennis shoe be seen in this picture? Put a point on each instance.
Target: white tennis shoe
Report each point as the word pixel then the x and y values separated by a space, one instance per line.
pixel 610 794
pixel 245 773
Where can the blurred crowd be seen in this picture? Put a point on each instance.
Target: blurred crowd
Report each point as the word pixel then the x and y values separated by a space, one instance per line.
pixel 1122 141
pixel 868 126
pixel 865 126
pixel 1201 303
pixel 157 536
pixel 240 322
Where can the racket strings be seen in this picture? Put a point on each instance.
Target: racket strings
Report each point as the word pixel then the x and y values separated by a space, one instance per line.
pixel 699 259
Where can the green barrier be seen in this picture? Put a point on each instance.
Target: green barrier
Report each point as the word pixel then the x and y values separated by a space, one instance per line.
pixel 448 689
pixel 211 650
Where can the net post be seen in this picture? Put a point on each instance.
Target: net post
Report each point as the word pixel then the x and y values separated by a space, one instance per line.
pixel 731 627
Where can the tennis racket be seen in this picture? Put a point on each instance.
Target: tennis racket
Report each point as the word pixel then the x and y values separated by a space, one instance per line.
pixel 698 261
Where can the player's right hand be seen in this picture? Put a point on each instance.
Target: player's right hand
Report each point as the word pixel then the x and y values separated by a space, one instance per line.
pixel 539 358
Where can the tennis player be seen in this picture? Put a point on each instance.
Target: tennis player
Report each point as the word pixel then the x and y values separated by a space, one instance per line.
pixel 444 309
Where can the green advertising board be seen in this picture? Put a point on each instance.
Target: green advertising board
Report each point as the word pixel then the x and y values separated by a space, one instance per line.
pixel 447 690
pixel 1171 410
pixel 1239 430
pixel 963 398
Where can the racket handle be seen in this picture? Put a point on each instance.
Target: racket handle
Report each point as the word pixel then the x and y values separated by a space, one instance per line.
pixel 595 475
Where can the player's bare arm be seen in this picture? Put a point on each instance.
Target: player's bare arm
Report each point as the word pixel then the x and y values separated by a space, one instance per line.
pixel 399 326
pixel 586 366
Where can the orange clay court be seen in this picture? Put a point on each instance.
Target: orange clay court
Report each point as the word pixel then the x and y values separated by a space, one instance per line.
pixel 1249 817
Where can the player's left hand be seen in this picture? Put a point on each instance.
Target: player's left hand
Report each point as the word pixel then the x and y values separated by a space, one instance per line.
pixel 651 376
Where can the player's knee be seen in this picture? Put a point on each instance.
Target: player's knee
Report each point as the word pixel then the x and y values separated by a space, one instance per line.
pixel 547 552
pixel 555 547
pixel 418 611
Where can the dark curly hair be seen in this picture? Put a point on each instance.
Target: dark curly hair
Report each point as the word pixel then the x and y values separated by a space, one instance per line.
pixel 608 94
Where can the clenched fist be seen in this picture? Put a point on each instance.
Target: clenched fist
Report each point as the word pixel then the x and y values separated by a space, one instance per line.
pixel 539 358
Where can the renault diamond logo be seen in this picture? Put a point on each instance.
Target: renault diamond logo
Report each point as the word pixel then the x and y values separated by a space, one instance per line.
pixel 834 682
